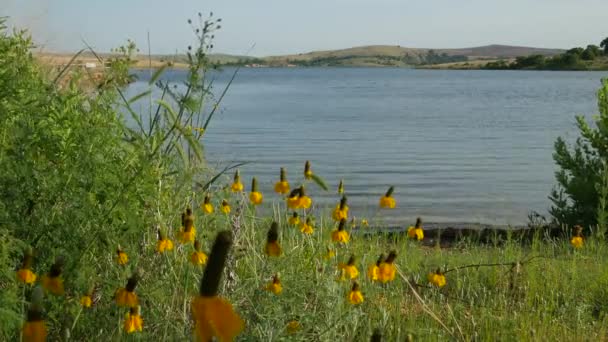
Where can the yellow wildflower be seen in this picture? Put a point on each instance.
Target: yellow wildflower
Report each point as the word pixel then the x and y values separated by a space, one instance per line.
pixel 273 248
pixel 373 270
pixel 577 240
pixel 387 201
pixel 294 220
pixel 340 235
pixel 255 196
pixel 416 232
pixel 330 254
pixel 341 210
pixel 133 320
pixel 437 278
pixel 364 222
pixel 275 285
pixel 387 268
pixel 214 316
pixel 34 328
pixel 282 186
pixel 121 256
pixel 198 257
pixel 187 233
pixel 25 274
pixel 354 295
pixel 126 296
pixel 225 207
pixel 237 186
pixel 86 301
pixel 52 281
pixel 307 170
pixel 349 270
pixel 164 244
pixel 207 206
pixel 293 326
pixel 306 227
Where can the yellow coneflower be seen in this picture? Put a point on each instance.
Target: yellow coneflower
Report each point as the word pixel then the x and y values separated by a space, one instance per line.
pixel 577 240
pixel 225 207
pixel 272 247
pixel 387 268
pixel 237 185
pixel 349 270
pixel 293 200
pixel 133 320
pixel 275 285
pixel 207 206
pixel 341 187
pixel 255 196
pixel 305 201
pixel 387 201
pixel 330 254
pixel 198 257
pixel 341 210
pixel 364 223
pixel 354 295
pixel 86 301
pixel 126 296
pixel 214 316
pixel 187 233
pixel 293 327
pixel 307 170
pixel 52 281
pixel 373 270
pixel 34 328
pixel 416 232
pixel 437 278
pixel 340 235
pixel 306 227
pixel 121 256
pixel 163 244
pixel 294 220
pixel 25 274
pixel 282 186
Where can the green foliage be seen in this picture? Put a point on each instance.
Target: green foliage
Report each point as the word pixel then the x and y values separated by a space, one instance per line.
pixel 604 45
pixel 576 197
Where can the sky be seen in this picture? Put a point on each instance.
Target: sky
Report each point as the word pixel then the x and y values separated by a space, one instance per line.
pixel 275 27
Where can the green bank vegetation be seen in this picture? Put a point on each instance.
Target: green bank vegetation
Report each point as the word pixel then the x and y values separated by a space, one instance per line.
pixel 77 185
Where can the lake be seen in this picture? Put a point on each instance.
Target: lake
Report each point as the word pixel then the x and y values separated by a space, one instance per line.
pixel 459 146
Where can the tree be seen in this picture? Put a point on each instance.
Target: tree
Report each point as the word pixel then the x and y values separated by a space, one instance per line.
pixel 591 52
pixel 576 197
pixel 604 44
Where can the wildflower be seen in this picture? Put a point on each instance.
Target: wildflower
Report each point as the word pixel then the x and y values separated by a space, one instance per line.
pixel 126 296
pixel 341 210
pixel 282 186
pixel 275 285
pixel 121 256
pixel 577 239
pixel 207 206
pixel 133 321
pixel 187 233
pixel 272 244
pixel 387 201
pixel 225 207
pixel 387 269
pixel 416 231
pixel 164 244
pixel 437 278
pixel 293 326
pixel 340 235
pixel 25 274
pixel 364 223
pixel 307 171
pixel 255 196
pixel 237 186
pixel 306 227
pixel 330 254
pixel 198 257
pixel 373 270
pixel 86 301
pixel 349 269
pixel 214 316
pixel 341 187
pixel 298 199
pixel 34 328
pixel 52 281
pixel 354 295
pixel 294 220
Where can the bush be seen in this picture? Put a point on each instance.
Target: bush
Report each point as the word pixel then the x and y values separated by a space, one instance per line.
pixel 576 197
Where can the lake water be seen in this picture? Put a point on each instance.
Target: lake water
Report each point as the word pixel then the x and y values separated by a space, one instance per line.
pixel 459 146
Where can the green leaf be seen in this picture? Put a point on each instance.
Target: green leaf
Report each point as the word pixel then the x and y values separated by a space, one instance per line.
pixel 157 74
pixel 139 96
pixel 320 182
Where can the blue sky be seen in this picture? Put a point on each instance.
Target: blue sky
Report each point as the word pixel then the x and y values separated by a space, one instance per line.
pixel 287 26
